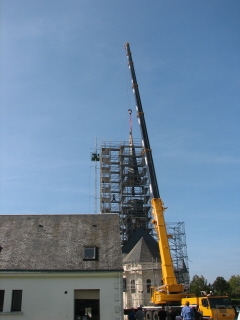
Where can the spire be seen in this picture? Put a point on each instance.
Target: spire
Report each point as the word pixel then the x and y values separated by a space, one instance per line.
pixel 133 178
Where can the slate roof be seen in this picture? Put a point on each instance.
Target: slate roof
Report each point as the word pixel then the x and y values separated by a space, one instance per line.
pixel 150 242
pixel 56 242
pixel 140 253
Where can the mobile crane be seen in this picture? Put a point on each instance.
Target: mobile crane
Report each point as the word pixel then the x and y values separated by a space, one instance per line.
pixel 170 292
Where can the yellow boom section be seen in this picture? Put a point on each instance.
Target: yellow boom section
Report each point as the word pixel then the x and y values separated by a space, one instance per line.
pixel 170 284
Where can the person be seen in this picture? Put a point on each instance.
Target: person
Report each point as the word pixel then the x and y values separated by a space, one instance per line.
pixel 197 314
pixel 139 315
pixel 187 312
pixel 171 314
pixel 162 314
pixel 131 315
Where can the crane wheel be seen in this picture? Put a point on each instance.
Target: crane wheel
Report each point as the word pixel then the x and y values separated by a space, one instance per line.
pixel 155 315
pixel 149 315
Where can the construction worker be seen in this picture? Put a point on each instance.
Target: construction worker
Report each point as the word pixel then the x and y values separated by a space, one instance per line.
pixel 187 312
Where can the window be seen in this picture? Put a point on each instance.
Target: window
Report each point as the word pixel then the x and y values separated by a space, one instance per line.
pixel 133 289
pixel 124 284
pixel 214 302
pixel 16 300
pixel 148 285
pixel 1 299
pixel 205 302
pixel 90 253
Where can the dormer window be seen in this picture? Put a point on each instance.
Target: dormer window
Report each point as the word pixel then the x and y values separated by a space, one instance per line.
pixel 90 253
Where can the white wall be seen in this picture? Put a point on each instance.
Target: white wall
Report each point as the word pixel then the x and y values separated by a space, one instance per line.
pixel 44 298
pixel 140 273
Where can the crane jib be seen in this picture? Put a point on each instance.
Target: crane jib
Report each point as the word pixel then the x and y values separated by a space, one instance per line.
pixel 140 114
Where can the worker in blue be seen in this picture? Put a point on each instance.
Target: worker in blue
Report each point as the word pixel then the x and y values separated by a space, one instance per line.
pixel 187 312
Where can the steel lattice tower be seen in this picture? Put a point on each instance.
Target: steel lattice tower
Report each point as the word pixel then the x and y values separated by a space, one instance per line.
pixel 124 185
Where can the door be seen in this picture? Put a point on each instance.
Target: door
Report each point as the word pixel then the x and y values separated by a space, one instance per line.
pixel 87 305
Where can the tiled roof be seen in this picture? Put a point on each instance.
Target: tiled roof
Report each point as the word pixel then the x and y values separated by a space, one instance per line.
pixel 149 240
pixel 140 253
pixel 56 242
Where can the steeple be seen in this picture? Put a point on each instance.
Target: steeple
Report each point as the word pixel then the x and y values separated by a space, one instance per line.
pixel 133 179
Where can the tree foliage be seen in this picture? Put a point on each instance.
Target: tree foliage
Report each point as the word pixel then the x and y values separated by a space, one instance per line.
pixel 221 287
pixel 234 283
pixel 199 284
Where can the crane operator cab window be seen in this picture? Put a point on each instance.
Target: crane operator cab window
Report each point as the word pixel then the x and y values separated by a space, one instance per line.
pixel 205 303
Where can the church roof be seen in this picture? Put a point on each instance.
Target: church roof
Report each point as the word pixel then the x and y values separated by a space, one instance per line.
pixel 139 244
pixel 136 236
pixel 141 253
pixel 57 242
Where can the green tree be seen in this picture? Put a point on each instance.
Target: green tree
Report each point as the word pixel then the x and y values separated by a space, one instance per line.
pixel 234 283
pixel 221 287
pixel 199 284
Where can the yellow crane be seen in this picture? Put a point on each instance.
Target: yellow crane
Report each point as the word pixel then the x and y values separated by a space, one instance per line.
pixel 171 292
pixel 170 289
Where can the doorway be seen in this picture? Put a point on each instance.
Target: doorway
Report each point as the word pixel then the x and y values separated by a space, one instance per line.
pixel 86 305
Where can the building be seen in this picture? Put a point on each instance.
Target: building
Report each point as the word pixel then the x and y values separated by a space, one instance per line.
pixel 60 267
pixel 142 269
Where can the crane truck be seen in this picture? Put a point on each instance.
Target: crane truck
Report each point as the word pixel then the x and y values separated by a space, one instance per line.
pixel 170 292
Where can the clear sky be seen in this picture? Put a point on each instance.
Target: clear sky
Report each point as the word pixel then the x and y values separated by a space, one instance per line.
pixel 65 85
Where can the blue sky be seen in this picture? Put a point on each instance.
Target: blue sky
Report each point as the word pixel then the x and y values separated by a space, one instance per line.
pixel 65 85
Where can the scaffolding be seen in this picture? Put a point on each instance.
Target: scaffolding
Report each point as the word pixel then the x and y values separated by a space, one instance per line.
pixel 125 190
pixel 137 280
pixel 178 247
pixel 124 186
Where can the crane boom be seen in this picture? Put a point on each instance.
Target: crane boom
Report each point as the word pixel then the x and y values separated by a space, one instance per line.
pixel 170 285
pixel 143 128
